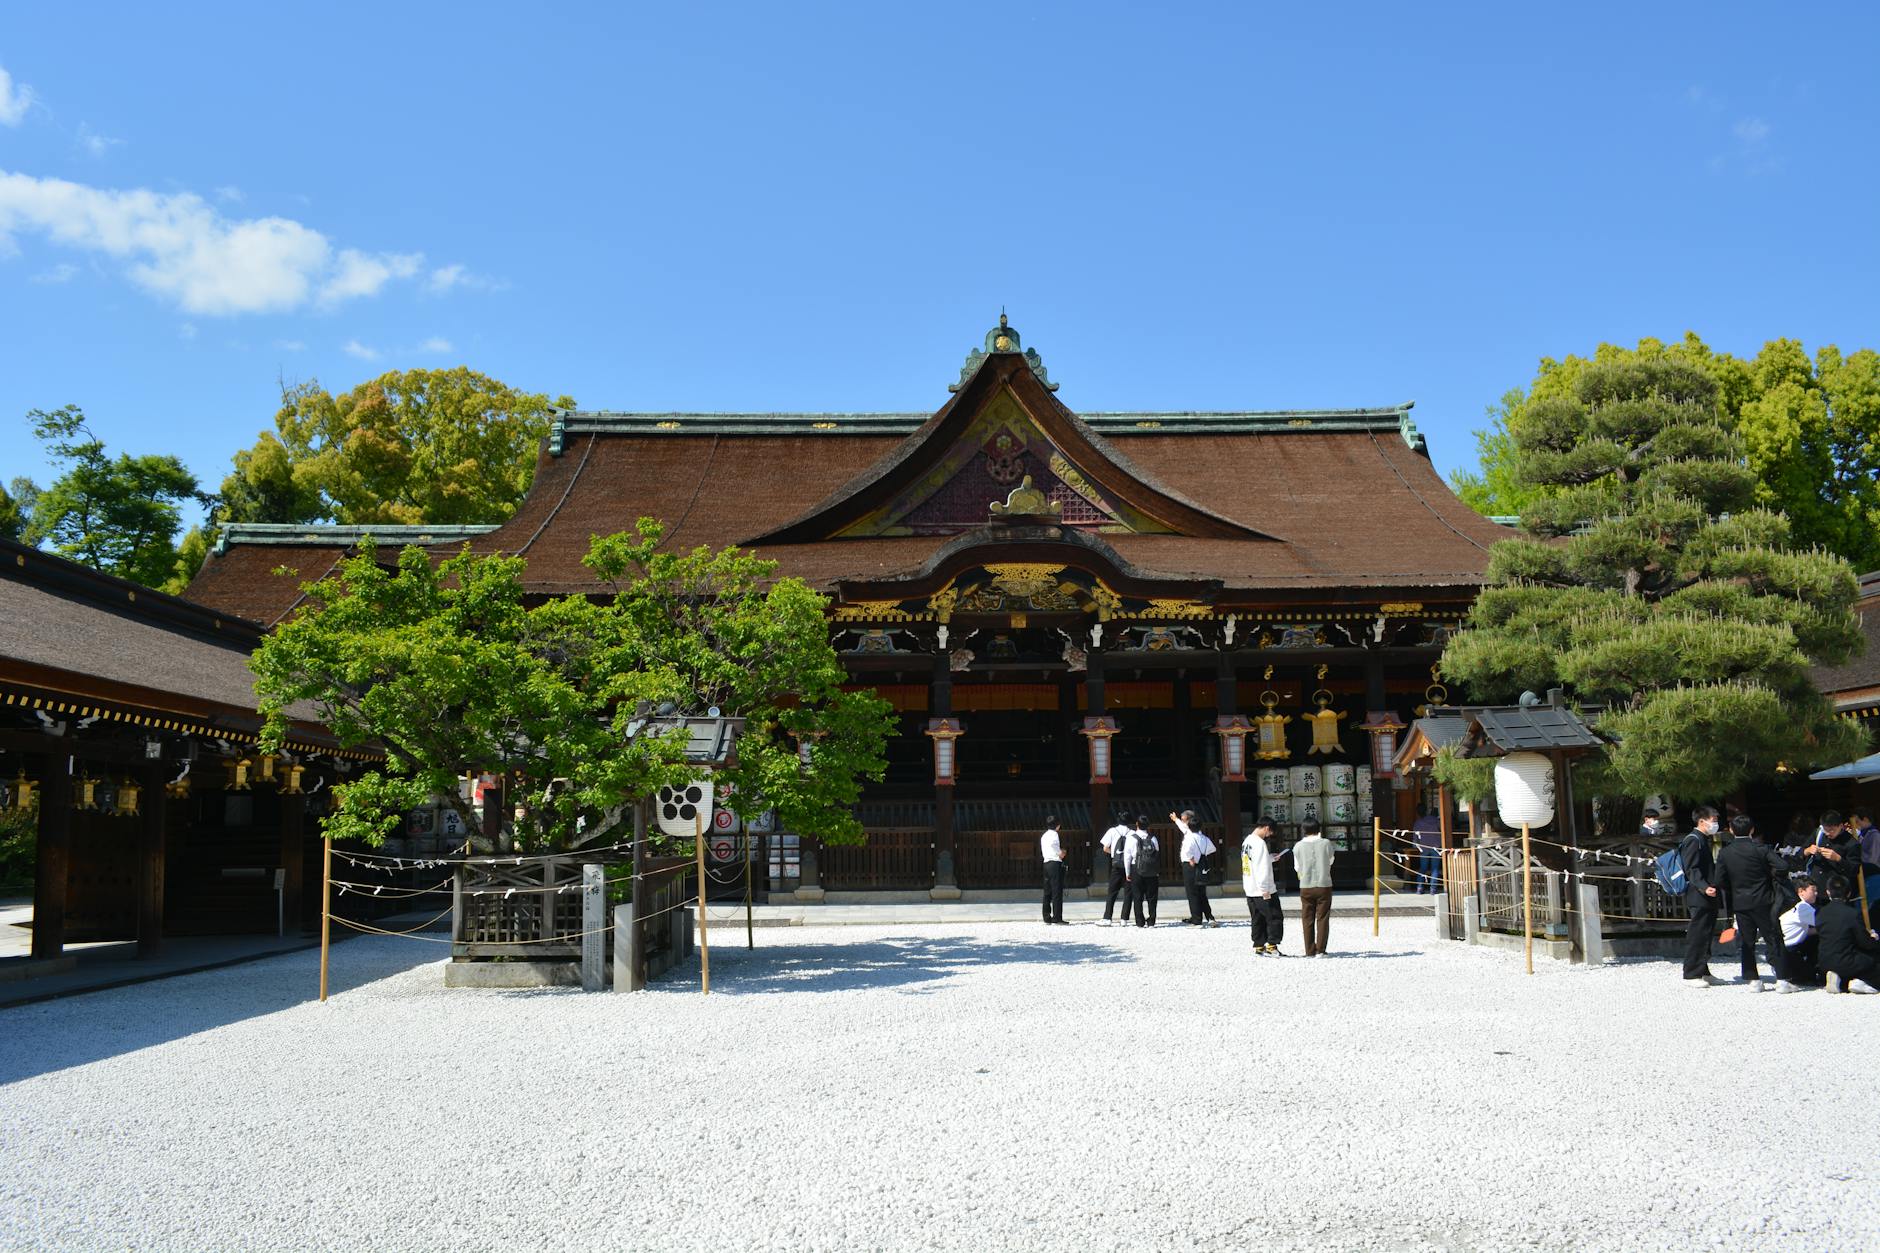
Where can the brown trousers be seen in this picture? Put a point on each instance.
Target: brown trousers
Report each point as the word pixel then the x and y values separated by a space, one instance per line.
pixel 1315 918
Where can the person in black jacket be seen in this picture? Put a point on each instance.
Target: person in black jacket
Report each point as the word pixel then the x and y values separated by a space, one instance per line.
pixel 1850 953
pixel 1700 894
pixel 1746 876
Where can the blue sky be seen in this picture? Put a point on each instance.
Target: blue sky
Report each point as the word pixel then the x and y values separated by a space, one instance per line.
pixel 823 207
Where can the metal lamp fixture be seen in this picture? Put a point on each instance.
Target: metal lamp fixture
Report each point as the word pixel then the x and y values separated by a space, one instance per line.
pixel 1098 729
pixel 1382 726
pixel 1271 728
pixel 943 732
pixel 128 793
pixel 267 768
pixel 1233 730
pixel 23 789
pixel 291 785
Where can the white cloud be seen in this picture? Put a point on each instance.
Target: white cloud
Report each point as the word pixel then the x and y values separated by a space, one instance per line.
pixel 228 193
pixel 437 343
pixel 15 99
pixel 93 143
pixel 61 273
pixel 447 278
pixel 1752 131
pixel 291 345
pixel 187 330
pixel 353 348
pixel 182 249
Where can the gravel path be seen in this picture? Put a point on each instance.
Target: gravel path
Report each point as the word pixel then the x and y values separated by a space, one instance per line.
pixel 998 1086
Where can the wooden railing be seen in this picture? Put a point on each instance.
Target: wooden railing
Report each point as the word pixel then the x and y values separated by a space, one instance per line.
pixel 1013 859
pixel 893 858
pixel 517 907
pixel 665 889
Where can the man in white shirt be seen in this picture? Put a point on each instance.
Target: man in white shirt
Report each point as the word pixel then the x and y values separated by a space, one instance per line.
pixel 1113 844
pixel 1142 853
pixel 1312 860
pixel 1053 850
pixel 1256 880
pixel 1195 846
pixel 1801 944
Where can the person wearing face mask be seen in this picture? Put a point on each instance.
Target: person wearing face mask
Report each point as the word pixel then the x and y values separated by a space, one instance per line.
pixel 1651 828
pixel 1700 894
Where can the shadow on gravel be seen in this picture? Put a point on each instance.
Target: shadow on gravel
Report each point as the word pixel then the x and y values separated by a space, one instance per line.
pixel 54 1035
pixel 907 964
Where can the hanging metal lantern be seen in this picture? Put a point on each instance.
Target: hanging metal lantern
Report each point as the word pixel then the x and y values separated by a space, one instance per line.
pixel 1098 729
pixel 22 791
pixel 1324 724
pixel 1233 728
pixel 86 794
pixel 267 768
pixel 291 786
pixel 128 793
pixel 1382 726
pixel 1271 728
pixel 945 761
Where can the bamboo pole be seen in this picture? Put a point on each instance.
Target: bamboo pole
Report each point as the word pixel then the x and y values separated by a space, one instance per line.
pixel 326 907
pixel 1527 896
pixel 704 946
pixel 1860 877
pixel 750 939
pixel 1377 863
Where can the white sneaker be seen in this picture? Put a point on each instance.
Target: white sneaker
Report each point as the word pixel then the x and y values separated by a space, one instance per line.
pixel 1834 983
pixel 1783 985
pixel 1755 985
pixel 1105 922
pixel 1863 987
pixel 1703 981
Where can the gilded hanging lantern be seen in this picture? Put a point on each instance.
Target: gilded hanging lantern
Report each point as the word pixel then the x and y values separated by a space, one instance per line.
pixel 23 789
pixel 1324 724
pixel 1270 728
pixel 128 793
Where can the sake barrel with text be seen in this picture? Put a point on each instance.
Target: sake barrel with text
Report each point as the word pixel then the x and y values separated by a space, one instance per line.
pixel 1341 779
pixel 1276 809
pixel 1274 783
pixel 1339 836
pixel 1340 809
pixel 1305 780
pixel 1308 808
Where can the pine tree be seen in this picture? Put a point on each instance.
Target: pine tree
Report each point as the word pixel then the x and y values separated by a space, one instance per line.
pixel 1646 581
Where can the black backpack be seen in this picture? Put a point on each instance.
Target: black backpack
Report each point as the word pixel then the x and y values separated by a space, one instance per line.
pixel 1147 863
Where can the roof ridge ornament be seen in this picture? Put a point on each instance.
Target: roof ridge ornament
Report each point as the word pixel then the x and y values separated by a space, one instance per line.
pixel 1000 340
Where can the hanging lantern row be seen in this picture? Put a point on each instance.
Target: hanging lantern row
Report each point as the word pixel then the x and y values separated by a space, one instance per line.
pixel 1271 726
pixel 1099 729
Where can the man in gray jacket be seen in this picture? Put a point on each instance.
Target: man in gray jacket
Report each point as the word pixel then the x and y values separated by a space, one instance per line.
pixel 1312 861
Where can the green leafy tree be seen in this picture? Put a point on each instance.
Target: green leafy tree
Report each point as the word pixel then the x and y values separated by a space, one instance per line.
pixel 119 515
pixel 411 446
pixel 1649 582
pixel 1809 431
pixel 12 517
pixel 449 668
pixel 190 554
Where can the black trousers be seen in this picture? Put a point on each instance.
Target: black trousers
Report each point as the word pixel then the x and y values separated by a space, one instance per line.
pixel 1054 891
pixel 1197 894
pixel 1148 889
pixel 1268 919
pixel 1698 935
pixel 1119 886
pixel 1750 924
pixel 1801 962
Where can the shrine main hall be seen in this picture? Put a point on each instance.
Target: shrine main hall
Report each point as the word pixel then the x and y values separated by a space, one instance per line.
pixel 1081 614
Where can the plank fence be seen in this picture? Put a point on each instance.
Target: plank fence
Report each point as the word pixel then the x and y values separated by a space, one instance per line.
pixel 893 857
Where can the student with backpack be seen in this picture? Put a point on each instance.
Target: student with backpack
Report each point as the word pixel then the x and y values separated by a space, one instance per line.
pixel 1696 865
pixel 1256 880
pixel 1113 841
pixel 1144 855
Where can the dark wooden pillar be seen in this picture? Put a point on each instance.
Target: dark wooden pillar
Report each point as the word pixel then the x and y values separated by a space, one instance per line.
pixel 53 855
pixel 1099 792
pixel 493 803
pixel 293 858
pixel 1227 703
pixel 945 873
pixel 152 841
pixel 1383 794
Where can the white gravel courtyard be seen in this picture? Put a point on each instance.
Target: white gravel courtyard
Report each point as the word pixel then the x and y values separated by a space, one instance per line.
pixel 993 1086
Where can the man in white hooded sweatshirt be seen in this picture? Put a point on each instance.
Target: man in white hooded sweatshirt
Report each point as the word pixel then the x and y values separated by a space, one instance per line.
pixel 1256 880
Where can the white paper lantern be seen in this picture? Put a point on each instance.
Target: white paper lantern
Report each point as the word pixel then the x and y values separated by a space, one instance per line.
pixel 1524 789
pixel 677 810
pixel 1304 780
pixel 1273 783
pixel 1340 779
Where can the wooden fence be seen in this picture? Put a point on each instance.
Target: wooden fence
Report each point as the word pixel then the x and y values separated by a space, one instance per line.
pixel 518 907
pixel 893 858
pixel 666 887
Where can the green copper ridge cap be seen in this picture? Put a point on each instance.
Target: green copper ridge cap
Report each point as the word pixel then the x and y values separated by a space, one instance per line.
pixel 1002 339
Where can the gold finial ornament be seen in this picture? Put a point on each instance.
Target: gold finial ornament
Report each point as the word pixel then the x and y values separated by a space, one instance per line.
pixel 1026 501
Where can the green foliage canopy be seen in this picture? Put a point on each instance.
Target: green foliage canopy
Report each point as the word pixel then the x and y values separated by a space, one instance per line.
pixel 1808 429
pixel 1648 580
pixel 449 669
pixel 412 446
pixel 119 515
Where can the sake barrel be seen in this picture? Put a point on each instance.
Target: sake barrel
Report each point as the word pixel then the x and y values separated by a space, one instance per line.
pixel 1340 809
pixel 1364 780
pixel 1276 809
pixel 1308 808
pixel 1340 779
pixel 1273 783
pixel 1339 836
pixel 1304 781
pixel 1364 806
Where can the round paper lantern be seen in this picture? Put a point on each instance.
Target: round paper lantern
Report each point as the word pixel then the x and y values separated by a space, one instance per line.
pixel 1524 789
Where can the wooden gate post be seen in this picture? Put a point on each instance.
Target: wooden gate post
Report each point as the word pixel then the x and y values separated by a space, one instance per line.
pixel 1527 896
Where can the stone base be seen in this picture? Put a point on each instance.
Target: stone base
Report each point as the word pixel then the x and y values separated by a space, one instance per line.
pixel 36 967
pixel 512 975
pixel 809 896
pixel 944 892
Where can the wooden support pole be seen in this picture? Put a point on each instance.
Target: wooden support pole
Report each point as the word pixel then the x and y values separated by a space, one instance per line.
pixel 1527 895
pixel 52 856
pixel 1377 866
pixel 750 937
pixel 150 861
pixel 293 859
pixel 704 946
pixel 326 907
